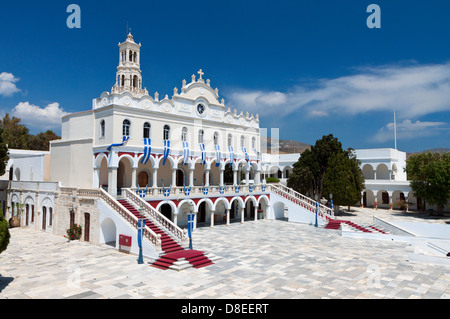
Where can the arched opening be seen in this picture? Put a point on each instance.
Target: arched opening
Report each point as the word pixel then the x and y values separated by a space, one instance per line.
pixel 146 133
pixel 166 210
pixel 382 171
pixel 124 173
pixel 135 81
pixel 367 171
pixel 368 198
pixel 17 174
pixel 103 174
pixel 108 232
pixel 201 215
pixel 180 177
pixel 126 128
pixel 279 210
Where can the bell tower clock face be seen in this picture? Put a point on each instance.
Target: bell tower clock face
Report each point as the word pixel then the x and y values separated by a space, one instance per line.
pixel 201 109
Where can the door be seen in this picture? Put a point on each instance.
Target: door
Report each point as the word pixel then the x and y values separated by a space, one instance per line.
pixel 143 179
pixel 44 217
pixel 87 226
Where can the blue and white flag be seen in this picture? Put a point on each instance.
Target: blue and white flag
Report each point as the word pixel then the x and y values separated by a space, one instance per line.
pixel 124 140
pixel 185 153
pixel 190 224
pixel 166 150
pixel 237 188
pixel 230 148
pixel 166 191
pixel 142 193
pixel 257 153
pixel 202 148
pixel 247 158
pixel 217 147
pixel 141 229
pixel 187 190
pixel 147 150
pixel 250 188
pixel 205 190
pixel 223 189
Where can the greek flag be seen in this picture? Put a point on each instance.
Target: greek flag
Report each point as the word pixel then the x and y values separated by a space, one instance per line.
pixel 205 190
pixel 185 152
pixel 217 147
pixel 250 188
pixel 141 229
pixel 223 189
pixel 246 155
pixel 187 190
pixel 141 193
pixel 166 191
pixel 147 150
pixel 202 148
pixel 190 224
pixel 230 148
pixel 166 150
pixel 237 188
pixel 257 153
pixel 124 140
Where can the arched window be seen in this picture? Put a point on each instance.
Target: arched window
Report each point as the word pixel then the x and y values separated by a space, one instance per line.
pixel 201 134
pixel 242 141
pixel 122 83
pixel 230 140
pixel 216 138
pixel 253 142
pixel 135 81
pixel 134 57
pixel 166 132
pixel 184 134
pixel 126 128
pixel 102 128
pixel 131 56
pixel 146 130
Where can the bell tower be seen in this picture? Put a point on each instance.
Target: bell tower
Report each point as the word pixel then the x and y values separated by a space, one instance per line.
pixel 128 76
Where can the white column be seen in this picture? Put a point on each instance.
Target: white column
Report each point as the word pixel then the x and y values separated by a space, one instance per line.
pixel 174 177
pixel 235 181
pixel 112 181
pixel 247 177
pixel 212 219
pixel 96 183
pixel 206 177
pixel 221 176
pixel 255 208
pixel 191 177
pixel 133 177
pixel 228 217
pixel 241 209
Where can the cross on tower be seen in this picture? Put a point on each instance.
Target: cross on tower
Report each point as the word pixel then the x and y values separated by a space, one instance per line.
pixel 200 72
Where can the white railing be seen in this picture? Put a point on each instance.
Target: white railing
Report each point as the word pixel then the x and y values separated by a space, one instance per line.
pixel 100 193
pixel 196 191
pixel 156 217
pixel 302 200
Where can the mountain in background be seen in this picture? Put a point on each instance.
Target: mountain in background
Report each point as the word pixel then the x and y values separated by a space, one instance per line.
pixel 284 146
pixel 289 146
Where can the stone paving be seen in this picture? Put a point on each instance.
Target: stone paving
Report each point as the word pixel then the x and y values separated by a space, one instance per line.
pixel 263 259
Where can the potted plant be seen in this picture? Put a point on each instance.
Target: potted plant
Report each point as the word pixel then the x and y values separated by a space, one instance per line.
pixel 14 221
pixel 74 232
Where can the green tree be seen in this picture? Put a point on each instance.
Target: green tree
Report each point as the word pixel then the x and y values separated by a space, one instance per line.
pixel 429 174
pixel 13 133
pixel 41 141
pixel 4 233
pixel 344 179
pixel 4 156
pixel 327 168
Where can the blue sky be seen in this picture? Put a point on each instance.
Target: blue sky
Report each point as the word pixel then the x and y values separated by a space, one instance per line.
pixel 308 68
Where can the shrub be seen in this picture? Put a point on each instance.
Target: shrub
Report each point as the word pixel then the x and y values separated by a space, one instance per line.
pixel 74 232
pixel 272 180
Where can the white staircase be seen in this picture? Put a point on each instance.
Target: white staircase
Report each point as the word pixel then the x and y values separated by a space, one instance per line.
pixel 302 209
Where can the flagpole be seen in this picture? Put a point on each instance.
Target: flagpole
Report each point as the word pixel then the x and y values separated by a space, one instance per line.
pixel 395 132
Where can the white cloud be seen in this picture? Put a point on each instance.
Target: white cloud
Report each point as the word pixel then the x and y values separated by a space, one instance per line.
pixel 44 118
pixel 7 84
pixel 412 90
pixel 410 130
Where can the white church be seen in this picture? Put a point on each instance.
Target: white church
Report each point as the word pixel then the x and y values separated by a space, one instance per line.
pixel 135 155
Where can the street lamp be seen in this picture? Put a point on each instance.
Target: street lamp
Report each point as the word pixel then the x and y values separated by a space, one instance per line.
pixel 190 222
pixel 317 209
pixel 331 200
pixel 141 227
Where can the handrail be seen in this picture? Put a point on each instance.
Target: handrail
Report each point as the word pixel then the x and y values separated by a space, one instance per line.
pixel 324 211
pixel 156 216
pixel 154 238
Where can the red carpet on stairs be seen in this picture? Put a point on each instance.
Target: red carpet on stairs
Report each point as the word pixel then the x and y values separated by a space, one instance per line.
pixel 336 224
pixel 173 251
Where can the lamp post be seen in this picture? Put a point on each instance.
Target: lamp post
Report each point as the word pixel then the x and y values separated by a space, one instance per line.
pixel 190 222
pixel 331 200
pixel 317 209
pixel 141 227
